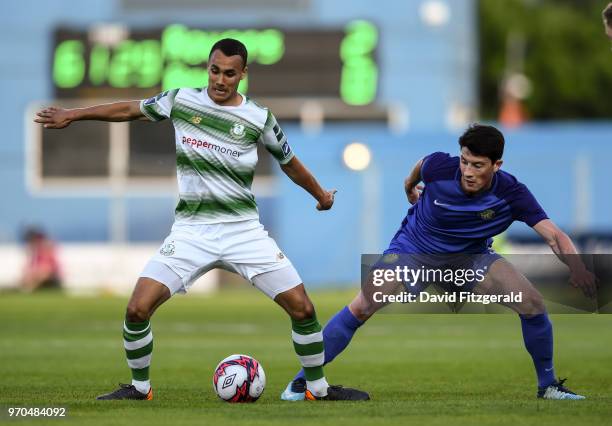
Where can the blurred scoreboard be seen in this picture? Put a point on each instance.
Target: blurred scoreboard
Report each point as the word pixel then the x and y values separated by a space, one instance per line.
pixel 112 61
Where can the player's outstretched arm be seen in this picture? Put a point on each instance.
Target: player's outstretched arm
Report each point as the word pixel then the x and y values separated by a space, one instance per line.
pixel 301 176
pixel 411 183
pixel 58 118
pixel 563 247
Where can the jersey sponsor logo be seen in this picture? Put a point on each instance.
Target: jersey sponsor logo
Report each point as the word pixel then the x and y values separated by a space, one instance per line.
pixel 487 214
pixel 198 143
pixel 438 203
pixel 238 131
pixel 167 249
pixel 286 149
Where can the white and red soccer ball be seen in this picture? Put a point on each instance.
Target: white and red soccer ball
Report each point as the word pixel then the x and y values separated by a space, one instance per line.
pixel 239 378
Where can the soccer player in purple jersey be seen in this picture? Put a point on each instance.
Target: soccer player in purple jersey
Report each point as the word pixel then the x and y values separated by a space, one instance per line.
pixel 466 201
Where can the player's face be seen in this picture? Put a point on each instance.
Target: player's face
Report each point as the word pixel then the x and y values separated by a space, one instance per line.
pixel 476 171
pixel 609 31
pixel 224 75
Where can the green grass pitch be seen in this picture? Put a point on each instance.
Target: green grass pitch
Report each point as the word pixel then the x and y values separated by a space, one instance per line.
pixel 419 369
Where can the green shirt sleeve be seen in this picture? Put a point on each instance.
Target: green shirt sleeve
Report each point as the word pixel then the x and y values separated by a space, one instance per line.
pixel 158 107
pixel 275 141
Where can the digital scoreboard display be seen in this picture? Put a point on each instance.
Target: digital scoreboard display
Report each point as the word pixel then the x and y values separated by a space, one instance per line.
pixel 117 62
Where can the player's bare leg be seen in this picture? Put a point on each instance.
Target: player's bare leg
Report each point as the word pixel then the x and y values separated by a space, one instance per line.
pixel 296 303
pixel 502 279
pixel 147 296
pixel 308 344
pixel 364 305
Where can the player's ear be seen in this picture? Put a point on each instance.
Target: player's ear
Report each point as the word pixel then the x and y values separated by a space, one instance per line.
pixel 497 165
pixel 244 72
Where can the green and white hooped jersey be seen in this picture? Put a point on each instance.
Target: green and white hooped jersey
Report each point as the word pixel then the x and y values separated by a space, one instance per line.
pixel 216 152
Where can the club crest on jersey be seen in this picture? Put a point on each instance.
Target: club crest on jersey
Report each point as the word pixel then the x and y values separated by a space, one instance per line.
pixel 195 119
pixel 238 131
pixel 280 255
pixel 167 249
pixel 487 214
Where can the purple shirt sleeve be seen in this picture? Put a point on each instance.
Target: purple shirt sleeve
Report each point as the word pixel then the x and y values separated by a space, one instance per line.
pixel 437 166
pixel 525 207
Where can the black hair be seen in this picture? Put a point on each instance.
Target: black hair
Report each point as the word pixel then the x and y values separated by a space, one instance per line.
pixel 32 233
pixel 231 47
pixel 483 140
pixel 607 15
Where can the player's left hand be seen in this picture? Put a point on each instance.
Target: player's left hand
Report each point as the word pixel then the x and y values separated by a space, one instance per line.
pixel 414 194
pixel 327 201
pixel 586 281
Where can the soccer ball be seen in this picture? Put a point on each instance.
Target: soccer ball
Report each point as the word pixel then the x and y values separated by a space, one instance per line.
pixel 239 378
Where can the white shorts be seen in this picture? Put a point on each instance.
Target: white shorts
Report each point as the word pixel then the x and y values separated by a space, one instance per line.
pixel 242 247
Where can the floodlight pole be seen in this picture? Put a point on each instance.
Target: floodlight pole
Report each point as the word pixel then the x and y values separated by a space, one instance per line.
pixel 582 193
pixel 118 158
pixel 370 209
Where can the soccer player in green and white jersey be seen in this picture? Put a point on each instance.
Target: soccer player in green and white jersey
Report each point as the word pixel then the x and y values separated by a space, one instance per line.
pixel 217 223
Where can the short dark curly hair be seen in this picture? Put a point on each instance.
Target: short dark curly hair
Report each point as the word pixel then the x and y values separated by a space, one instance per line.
pixel 231 47
pixel 483 140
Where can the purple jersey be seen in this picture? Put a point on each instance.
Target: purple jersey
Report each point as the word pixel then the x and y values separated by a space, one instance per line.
pixel 446 220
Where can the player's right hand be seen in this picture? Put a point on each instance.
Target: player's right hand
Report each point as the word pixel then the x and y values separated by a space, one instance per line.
pixel 53 118
pixel 414 194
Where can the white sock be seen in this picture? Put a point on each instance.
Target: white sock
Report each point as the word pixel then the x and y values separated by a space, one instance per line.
pixel 142 386
pixel 318 387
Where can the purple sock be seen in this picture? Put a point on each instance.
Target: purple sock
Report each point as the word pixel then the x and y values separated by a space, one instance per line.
pixel 337 334
pixel 538 338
